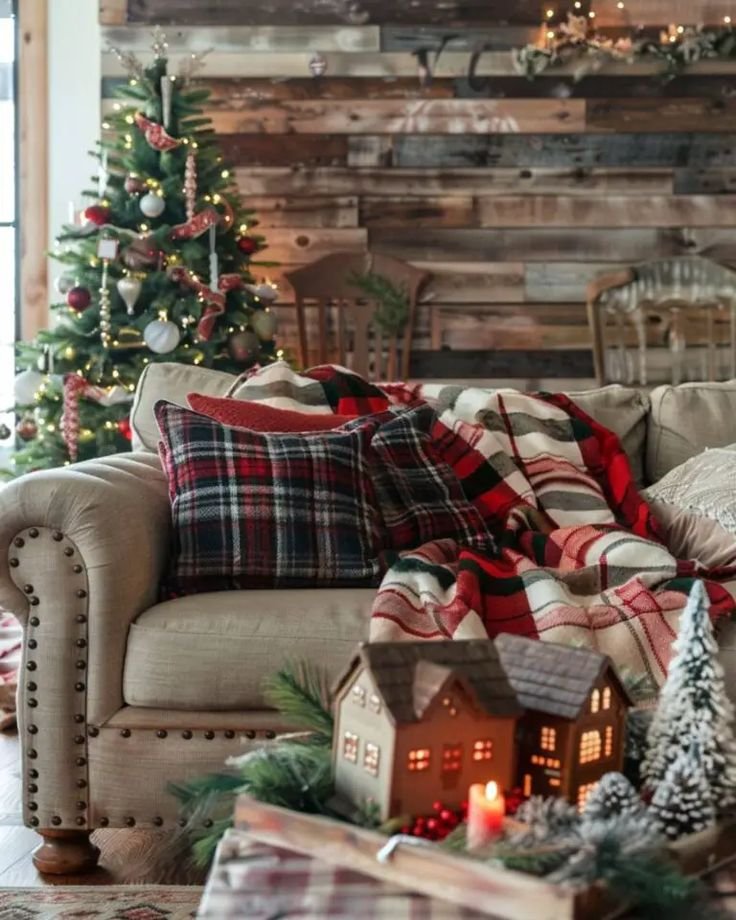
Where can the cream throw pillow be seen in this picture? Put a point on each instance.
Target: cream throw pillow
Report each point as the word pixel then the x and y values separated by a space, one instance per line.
pixel 696 504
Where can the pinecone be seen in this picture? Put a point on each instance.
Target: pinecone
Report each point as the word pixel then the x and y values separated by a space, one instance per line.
pixel 614 795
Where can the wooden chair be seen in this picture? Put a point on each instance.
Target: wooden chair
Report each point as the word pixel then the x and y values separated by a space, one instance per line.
pixel 684 305
pixel 358 341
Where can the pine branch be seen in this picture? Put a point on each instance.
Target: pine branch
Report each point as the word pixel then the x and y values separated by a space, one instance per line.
pixel 299 691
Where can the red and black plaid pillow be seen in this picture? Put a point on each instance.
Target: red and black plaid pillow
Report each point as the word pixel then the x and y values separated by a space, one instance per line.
pixel 261 509
pixel 419 494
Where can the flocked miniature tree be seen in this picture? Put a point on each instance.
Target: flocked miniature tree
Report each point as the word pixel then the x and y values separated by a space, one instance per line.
pixel 693 705
pixel 613 795
pixel 682 802
pixel 160 270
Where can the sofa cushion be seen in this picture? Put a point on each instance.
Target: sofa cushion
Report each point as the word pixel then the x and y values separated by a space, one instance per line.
pixel 172 382
pixel 212 651
pixel 689 535
pixel 275 509
pixel 624 411
pixel 686 419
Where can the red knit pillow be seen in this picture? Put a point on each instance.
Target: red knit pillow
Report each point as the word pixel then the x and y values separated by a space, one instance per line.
pixel 241 413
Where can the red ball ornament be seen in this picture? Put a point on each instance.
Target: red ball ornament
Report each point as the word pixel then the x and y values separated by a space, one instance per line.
pixel 79 298
pixel 125 429
pixel 97 214
pixel 26 429
pixel 247 245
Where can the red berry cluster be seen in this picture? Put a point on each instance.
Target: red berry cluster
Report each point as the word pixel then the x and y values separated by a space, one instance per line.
pixel 514 798
pixel 439 824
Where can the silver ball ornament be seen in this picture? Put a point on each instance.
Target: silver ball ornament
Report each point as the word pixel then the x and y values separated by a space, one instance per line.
pixel 152 205
pixel 26 385
pixel 264 324
pixel 161 336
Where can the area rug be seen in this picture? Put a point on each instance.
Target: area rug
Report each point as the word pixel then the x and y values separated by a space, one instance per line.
pixel 100 902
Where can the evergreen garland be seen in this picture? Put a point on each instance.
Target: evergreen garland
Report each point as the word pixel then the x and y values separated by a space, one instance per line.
pixel 576 41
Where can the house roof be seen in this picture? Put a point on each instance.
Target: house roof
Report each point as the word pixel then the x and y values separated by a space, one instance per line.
pixel 409 675
pixel 505 676
pixel 551 678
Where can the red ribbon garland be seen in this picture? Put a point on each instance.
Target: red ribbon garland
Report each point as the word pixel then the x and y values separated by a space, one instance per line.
pixel 214 301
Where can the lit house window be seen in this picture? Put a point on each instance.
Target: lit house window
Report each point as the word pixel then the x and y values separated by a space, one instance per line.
pixel 418 760
pixel 483 749
pixel 606 697
pixel 590 746
pixel 451 708
pixel 371 758
pixel 595 701
pixel 375 703
pixel 548 740
pixel 608 741
pixel 350 747
pixel 359 695
pixel 583 793
pixel 452 758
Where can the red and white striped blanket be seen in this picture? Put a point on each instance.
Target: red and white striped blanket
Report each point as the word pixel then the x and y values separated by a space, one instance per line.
pixel 580 559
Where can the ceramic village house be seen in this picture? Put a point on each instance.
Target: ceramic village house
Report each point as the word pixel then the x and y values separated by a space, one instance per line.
pixel 418 722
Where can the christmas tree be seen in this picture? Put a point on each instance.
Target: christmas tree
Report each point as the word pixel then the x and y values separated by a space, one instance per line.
pixel 693 705
pixel 682 802
pixel 161 270
pixel 613 795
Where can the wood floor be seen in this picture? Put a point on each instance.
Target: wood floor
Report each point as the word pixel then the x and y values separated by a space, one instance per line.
pixel 125 855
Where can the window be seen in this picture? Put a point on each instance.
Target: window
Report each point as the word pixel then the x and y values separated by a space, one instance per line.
pixel 608 742
pixel 548 740
pixel 606 697
pixel 375 702
pixel 418 760
pixel 595 701
pixel 583 793
pixel 554 781
pixel 359 695
pixel 371 758
pixel 452 758
pixel 527 790
pixel 483 749
pixel 350 747
pixel 8 218
pixel 590 746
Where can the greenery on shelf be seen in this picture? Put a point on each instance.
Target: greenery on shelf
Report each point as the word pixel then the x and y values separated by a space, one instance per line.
pixel 577 43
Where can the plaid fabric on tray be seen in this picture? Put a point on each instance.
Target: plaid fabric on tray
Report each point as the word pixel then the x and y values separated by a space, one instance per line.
pixel 257 881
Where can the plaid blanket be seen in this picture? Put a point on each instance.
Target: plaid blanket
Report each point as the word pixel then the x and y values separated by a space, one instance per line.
pixel 578 557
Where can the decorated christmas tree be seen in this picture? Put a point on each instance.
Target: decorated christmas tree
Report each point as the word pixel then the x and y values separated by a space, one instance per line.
pixel 693 705
pixel 682 802
pixel 161 268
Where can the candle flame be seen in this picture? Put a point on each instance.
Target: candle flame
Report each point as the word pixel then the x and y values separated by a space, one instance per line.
pixel 491 790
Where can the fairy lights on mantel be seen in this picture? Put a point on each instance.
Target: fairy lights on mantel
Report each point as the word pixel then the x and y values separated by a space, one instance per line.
pixel 569 35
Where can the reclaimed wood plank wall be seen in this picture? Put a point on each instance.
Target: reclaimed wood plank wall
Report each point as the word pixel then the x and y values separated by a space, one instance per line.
pixel 514 194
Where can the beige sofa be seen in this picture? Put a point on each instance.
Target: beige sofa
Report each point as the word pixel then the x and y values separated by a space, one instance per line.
pixel 120 695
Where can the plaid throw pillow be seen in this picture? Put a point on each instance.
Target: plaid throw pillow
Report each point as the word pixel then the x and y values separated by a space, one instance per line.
pixel 261 509
pixel 419 494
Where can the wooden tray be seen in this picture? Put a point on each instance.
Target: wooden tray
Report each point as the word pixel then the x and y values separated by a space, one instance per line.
pixel 501 893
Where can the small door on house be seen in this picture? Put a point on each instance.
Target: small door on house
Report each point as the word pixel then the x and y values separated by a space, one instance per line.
pixel 452 764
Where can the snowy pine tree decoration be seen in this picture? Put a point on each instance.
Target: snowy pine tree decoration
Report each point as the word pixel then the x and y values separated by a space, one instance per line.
pixel 613 795
pixel 693 706
pixel 682 802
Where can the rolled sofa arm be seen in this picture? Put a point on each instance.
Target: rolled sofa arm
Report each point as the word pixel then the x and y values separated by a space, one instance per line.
pixel 82 551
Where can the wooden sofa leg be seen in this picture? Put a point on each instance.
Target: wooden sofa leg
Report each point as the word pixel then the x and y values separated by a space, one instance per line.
pixel 65 852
